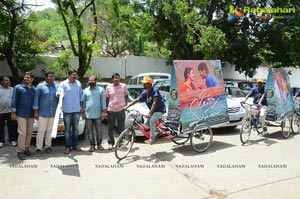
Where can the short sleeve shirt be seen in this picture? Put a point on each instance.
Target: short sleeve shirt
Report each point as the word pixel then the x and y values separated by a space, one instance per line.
pixel 148 98
pixel 256 93
pixel 116 96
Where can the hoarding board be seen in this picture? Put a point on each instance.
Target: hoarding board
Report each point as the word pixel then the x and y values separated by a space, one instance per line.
pixel 197 93
pixel 279 94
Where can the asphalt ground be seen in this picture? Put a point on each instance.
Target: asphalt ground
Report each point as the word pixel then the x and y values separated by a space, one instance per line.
pixel 266 167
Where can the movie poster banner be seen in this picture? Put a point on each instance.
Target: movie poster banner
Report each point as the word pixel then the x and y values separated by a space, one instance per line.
pixel 198 94
pixel 279 94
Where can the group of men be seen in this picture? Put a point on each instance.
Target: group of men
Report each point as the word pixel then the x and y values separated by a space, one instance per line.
pixel 19 106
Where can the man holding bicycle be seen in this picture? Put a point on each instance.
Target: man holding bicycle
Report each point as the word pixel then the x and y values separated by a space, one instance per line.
pixel 155 103
pixel 260 98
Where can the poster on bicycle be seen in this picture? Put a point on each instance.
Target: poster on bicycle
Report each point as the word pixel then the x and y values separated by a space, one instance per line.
pixel 198 94
pixel 279 94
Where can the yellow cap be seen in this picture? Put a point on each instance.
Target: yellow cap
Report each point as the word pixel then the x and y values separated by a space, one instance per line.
pixel 260 80
pixel 147 80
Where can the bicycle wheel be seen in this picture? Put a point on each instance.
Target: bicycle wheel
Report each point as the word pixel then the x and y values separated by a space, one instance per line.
pixel 286 127
pixel 259 128
pixel 295 123
pixel 245 130
pixel 201 138
pixel 124 143
pixel 181 139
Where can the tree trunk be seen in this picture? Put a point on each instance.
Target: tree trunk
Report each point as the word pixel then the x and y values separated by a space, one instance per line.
pixel 15 73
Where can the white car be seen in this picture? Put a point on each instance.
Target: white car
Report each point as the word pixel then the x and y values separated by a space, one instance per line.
pixel 61 128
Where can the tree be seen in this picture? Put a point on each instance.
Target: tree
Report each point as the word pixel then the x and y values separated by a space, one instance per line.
pixel 259 39
pixel 118 28
pixel 18 44
pixel 200 29
pixel 182 28
pixel 72 13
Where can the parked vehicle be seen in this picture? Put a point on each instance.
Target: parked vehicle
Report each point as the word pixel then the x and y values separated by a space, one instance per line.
pixel 242 85
pixel 137 79
pixel 135 90
pixel 61 127
pixel 237 94
pixel 246 85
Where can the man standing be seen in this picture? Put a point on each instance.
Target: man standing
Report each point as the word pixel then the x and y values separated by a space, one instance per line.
pixel 22 111
pixel 44 106
pixel 210 80
pixel 116 98
pixel 155 103
pixel 94 110
pixel 6 92
pixel 72 91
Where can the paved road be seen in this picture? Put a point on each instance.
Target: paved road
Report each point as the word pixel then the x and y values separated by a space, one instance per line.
pixel 267 167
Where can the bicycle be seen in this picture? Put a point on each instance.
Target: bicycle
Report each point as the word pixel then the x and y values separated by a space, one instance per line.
pixel 252 120
pixel 296 118
pixel 169 129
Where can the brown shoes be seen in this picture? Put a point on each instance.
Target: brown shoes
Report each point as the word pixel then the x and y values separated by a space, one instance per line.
pixel 77 148
pixel 92 148
pixel 100 147
pixel 66 151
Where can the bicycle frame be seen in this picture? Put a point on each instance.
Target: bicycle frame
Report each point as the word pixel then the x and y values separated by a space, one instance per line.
pixel 253 112
pixel 160 125
pixel 253 120
pixel 169 129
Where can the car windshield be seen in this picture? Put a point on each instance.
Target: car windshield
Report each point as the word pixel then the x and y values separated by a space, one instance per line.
pixel 163 85
pixel 135 90
pixel 235 92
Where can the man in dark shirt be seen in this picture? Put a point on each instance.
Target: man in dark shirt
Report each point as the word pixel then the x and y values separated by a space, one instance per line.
pixel 260 98
pixel 155 104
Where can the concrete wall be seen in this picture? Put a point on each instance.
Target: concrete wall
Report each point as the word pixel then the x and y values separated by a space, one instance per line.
pixel 262 72
pixel 133 65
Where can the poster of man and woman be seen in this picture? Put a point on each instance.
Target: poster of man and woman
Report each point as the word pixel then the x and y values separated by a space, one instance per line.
pixel 279 95
pixel 197 93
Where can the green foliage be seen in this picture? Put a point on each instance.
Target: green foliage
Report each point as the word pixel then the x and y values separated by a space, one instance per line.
pixel 90 72
pixel 80 30
pixel 18 41
pixel 212 43
pixel 118 28
pixel 253 41
pixel 61 66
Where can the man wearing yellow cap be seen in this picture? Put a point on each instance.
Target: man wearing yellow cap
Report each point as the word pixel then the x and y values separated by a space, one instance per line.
pixel 259 97
pixel 155 103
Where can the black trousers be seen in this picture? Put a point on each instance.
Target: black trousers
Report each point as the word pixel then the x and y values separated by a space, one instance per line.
pixel 12 128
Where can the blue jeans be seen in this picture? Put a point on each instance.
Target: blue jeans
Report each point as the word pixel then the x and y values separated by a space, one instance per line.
pixel 151 122
pixel 94 136
pixel 71 122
